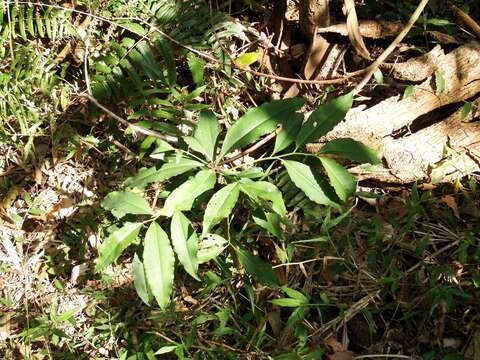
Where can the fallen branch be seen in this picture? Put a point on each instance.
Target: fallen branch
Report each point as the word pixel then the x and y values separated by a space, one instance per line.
pixel 374 67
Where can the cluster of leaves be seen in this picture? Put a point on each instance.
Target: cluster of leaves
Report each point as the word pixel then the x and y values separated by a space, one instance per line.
pixel 212 167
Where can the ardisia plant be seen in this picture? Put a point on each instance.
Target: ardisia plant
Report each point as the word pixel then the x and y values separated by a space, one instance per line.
pixel 208 181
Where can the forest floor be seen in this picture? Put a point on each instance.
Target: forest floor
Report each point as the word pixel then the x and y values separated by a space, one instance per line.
pixel 394 273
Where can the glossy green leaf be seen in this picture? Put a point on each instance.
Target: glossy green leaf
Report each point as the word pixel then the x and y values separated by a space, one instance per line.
pixel 258 122
pixel 183 197
pixel 174 167
pixel 140 281
pixel 352 150
pixel 159 261
pixel 258 268
pixel 185 243
pixel 220 206
pixel 324 119
pixel 207 132
pixel 210 247
pixel 290 128
pixel 304 178
pixel 265 191
pixel 115 244
pixel 343 182
pixel 294 294
pixel 126 202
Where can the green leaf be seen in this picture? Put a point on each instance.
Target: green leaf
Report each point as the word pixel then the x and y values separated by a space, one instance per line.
pixel 165 50
pixel 259 269
pixel 287 302
pixel 140 282
pixel 182 198
pixel 134 27
pixel 220 206
pixel 303 177
pixel 352 150
pixel 207 132
pixel 185 243
pixel 114 245
pixel 266 191
pixel 159 261
pixel 258 122
pixel 246 59
pixel 270 222
pixel 378 77
pixel 161 147
pixel 343 182
pixel 210 247
pixel 127 202
pixel 290 128
pixel 294 294
pixel 407 92
pixel 197 67
pixel 466 109
pixel 324 119
pixel 174 167
pixel 439 81
pixel 166 349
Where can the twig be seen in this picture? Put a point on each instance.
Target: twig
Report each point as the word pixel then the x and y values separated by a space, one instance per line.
pixel 252 148
pixel 374 66
pixel 434 255
pixel 465 18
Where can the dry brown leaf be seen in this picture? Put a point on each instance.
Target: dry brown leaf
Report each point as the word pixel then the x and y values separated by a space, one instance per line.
pixel 354 30
pixel 333 344
pixel 452 204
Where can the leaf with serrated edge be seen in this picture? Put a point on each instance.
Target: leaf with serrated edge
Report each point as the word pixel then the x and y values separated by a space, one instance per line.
pixel 343 182
pixel 174 167
pixel 220 206
pixel 127 202
pixel 324 119
pixel 114 245
pixel 302 176
pixel 350 149
pixel 140 281
pixel 159 261
pixel 207 132
pixel 266 191
pixel 185 243
pixel 182 198
pixel 258 122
